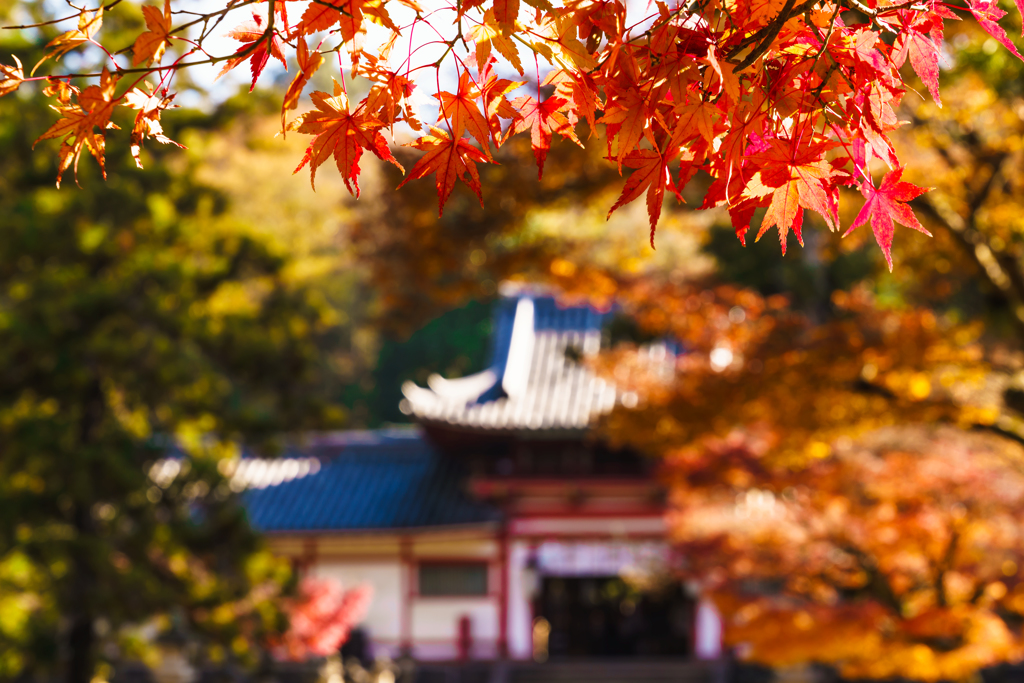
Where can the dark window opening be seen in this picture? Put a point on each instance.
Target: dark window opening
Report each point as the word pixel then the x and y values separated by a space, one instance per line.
pixel 453 579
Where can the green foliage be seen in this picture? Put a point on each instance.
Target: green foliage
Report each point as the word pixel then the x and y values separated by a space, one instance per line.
pixel 134 315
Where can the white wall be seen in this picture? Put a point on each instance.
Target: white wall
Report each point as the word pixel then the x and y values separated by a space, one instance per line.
pixel 438 618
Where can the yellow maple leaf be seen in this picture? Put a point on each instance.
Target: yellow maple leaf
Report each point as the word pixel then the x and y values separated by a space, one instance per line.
pixel 488 34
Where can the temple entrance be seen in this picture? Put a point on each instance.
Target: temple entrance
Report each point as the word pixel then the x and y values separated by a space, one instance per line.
pixel 606 617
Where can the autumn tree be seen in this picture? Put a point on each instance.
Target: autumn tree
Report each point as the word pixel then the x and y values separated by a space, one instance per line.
pixel 896 556
pixel 781 103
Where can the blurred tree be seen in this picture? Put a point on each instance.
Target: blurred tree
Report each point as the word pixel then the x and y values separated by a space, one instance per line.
pixel 135 317
pixel 898 556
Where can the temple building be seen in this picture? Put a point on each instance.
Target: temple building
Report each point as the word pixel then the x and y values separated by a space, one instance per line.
pixel 497 527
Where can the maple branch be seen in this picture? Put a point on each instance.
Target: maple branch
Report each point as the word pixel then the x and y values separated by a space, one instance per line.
pixel 767 35
pixel 945 564
pixel 206 17
pixel 877 585
pixel 57 21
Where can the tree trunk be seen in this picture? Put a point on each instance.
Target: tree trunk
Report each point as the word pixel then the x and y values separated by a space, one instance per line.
pixel 81 633
pixel 81 642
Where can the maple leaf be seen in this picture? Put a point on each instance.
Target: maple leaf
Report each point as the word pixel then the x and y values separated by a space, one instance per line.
pixel 450 159
pixel 150 46
pixel 344 135
pixel 390 92
pixel 696 118
pixel 487 34
pixel 796 178
pixel 561 30
pixel 147 122
pixel 493 91
pixel 308 63
pixel 987 13
pixel 506 12
pixel 255 42
pixel 886 203
pixel 626 121
pixel 579 90
pixel 89 24
pixel 95 105
pixel 652 174
pixel 543 119
pixel 462 113
pixel 347 15
pixel 11 77
pixel 921 40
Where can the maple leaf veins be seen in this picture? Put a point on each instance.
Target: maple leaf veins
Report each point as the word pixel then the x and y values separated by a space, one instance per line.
pixel 256 46
pixel 450 159
pixel 149 46
pixel 543 119
pixel 95 105
pixel 885 203
pixel 11 77
pixel 342 134
pixel 150 103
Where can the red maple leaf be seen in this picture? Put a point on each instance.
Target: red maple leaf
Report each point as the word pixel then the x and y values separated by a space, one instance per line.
pixel 987 13
pixel 450 159
pixel 256 46
pixel 885 203
pixel 920 40
pixel 543 119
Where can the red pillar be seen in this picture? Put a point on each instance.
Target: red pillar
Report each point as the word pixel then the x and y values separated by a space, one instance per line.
pixel 503 556
pixel 408 593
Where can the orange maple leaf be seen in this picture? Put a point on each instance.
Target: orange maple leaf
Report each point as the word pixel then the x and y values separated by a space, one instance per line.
pixel 506 12
pixel 626 120
pixel 89 24
pixel 11 77
pixel 147 122
pixel 695 118
pixel 308 63
pixel 543 119
pixel 462 112
pixel 496 105
pixel 796 179
pixel 347 15
pixel 651 174
pixel 341 134
pixel 150 46
pixel 95 105
pixel 389 96
pixel 450 159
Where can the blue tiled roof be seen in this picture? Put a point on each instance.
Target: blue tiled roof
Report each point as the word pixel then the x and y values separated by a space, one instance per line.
pixel 376 483
pixel 547 316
